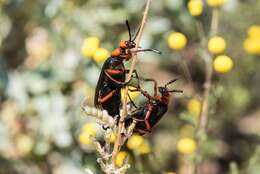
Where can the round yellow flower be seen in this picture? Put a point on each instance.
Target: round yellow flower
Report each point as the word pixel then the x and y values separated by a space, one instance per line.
pixel 195 7
pixel 194 107
pixel 89 128
pixel 177 40
pixel 254 31
pixel 100 55
pixel 215 3
pixel 120 158
pixel 133 95
pixel 85 138
pixel 186 146
pixel 135 141
pixel 252 45
pixel 144 148
pixel 112 138
pixel 223 64
pixel 24 144
pixel 89 46
pixel 216 45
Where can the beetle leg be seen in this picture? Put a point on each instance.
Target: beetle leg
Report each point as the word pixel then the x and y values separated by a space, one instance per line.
pixel 106 97
pixel 147 117
pixel 110 72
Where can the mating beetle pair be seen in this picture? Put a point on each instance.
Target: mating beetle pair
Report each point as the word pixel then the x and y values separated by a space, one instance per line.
pixel 112 80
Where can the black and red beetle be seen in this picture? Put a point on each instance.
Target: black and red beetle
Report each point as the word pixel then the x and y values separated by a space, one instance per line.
pixel 113 75
pixel 153 110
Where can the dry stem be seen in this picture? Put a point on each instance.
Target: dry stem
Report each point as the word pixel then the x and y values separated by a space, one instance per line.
pixel 124 113
pixel 203 119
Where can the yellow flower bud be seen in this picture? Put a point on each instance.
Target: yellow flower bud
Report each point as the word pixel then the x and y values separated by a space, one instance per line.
pixel 186 146
pixel 84 138
pixel 100 55
pixel 112 138
pixel 89 46
pixel 195 7
pixel 89 128
pixel 215 3
pixel 252 45
pixel 194 107
pixel 120 158
pixel 144 148
pixel 177 40
pixel 254 31
pixel 135 141
pixel 133 95
pixel 223 64
pixel 216 45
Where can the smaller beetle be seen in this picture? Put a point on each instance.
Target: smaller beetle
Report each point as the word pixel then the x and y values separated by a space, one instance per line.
pixel 153 110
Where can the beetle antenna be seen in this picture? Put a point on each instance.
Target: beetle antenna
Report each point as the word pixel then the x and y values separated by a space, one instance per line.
pixel 149 49
pixel 137 32
pixel 129 30
pixel 170 82
pixel 174 90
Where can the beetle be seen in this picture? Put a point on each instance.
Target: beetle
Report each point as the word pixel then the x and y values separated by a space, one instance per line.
pixel 113 74
pixel 153 109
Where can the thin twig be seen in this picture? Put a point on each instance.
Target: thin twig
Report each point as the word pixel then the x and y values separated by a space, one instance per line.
pixel 124 113
pixel 207 57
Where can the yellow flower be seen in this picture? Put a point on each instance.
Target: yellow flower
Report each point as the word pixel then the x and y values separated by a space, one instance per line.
pixel 216 45
pixel 186 146
pixel 222 64
pixel 135 141
pixel 100 55
pixel 194 107
pixel 170 173
pixel 177 40
pixel 215 3
pixel 89 128
pixel 24 144
pixel 112 138
pixel 187 131
pixel 195 7
pixel 84 138
pixel 144 148
pixel 133 95
pixel 89 46
pixel 252 45
pixel 254 31
pixel 120 158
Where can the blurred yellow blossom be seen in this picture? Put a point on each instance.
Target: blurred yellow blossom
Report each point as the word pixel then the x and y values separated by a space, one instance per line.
pixel 216 45
pixel 215 3
pixel 120 158
pixel 223 64
pixel 89 46
pixel 100 55
pixel 84 138
pixel 89 128
pixel 24 144
pixel 187 131
pixel 170 173
pixel 254 31
pixel 135 141
pixel 144 148
pixel 133 95
pixel 252 45
pixel 177 40
pixel 112 138
pixel 186 146
pixel 194 107
pixel 195 7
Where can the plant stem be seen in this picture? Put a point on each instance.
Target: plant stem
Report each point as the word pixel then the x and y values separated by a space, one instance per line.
pixel 117 144
pixel 207 57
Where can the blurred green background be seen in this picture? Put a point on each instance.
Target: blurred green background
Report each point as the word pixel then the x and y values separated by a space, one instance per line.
pixel 45 76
